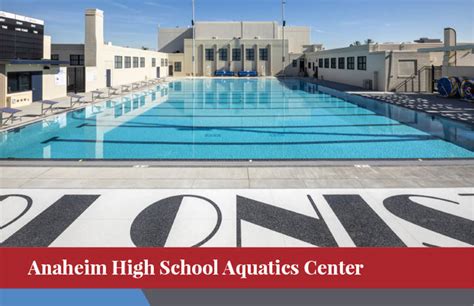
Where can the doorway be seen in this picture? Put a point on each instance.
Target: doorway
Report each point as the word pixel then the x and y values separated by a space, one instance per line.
pixel 76 79
pixel 157 72
pixel 37 85
pixel 108 77
pixel 170 69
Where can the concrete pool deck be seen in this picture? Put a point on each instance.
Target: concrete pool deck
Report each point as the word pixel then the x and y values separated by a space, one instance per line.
pixel 431 103
pixel 281 177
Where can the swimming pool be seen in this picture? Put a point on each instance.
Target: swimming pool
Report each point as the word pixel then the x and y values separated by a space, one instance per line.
pixel 240 119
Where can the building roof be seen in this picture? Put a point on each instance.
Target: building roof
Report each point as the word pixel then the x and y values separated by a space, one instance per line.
pixel 21 17
pixel 459 47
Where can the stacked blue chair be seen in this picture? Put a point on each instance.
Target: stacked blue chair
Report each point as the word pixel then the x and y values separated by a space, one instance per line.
pixel 246 73
pixel 223 73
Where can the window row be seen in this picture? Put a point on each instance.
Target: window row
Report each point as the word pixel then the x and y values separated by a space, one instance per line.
pixel 137 62
pixel 236 54
pixel 19 81
pixel 341 62
pixel 74 59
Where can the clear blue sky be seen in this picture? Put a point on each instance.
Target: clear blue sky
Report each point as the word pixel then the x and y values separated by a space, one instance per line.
pixel 334 23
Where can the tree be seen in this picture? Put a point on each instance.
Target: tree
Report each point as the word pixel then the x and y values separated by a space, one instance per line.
pixel 369 41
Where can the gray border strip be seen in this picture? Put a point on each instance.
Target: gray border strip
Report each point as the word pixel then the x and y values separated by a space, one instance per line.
pixel 310 297
pixel 235 163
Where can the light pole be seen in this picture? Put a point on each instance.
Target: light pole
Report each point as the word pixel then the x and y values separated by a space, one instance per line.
pixel 194 41
pixel 283 24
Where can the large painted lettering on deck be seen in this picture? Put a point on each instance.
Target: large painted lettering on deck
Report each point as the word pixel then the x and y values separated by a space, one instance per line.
pixel 237 218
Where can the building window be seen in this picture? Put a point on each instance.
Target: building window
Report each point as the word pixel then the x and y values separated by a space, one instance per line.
pixel 350 63
pixel 407 68
pixel 342 63
pixel 333 63
pixel 135 62
pixel 162 62
pixel 236 54
pixel 294 64
pixel 210 55
pixel 321 63
pixel 76 59
pixel 153 62
pixel 19 81
pixel 177 66
pixel 128 62
pixel 362 63
pixel 309 65
pixel 118 62
pixel 263 54
pixel 326 63
pixel 142 62
pixel 166 62
pixel 55 57
pixel 250 54
pixel 223 56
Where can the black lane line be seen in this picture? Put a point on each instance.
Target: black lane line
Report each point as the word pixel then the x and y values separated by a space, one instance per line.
pixel 57 139
pixel 261 116
pixel 47 226
pixel 245 130
pixel 254 108
pixel 133 124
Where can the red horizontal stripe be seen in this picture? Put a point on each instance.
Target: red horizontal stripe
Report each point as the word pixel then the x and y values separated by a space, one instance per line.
pixel 383 267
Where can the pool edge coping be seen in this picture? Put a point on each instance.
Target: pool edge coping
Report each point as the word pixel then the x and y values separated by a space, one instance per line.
pixel 236 163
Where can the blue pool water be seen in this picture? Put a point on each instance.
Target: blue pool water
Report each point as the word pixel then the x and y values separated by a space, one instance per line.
pixel 240 119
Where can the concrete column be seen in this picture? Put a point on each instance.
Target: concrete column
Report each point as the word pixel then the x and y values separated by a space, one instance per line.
pixel 216 58
pixel 270 62
pixel 3 86
pixel 203 59
pixel 257 60
pixel 93 48
pixel 243 57
pixel 449 58
pixel 229 57
pixel 94 36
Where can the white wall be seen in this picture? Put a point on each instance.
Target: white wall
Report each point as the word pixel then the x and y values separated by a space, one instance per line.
pixel 171 40
pixel 207 68
pixel 375 64
pixel 99 57
pixel 297 38
pixel 384 66
pixel 96 75
pixel 231 29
